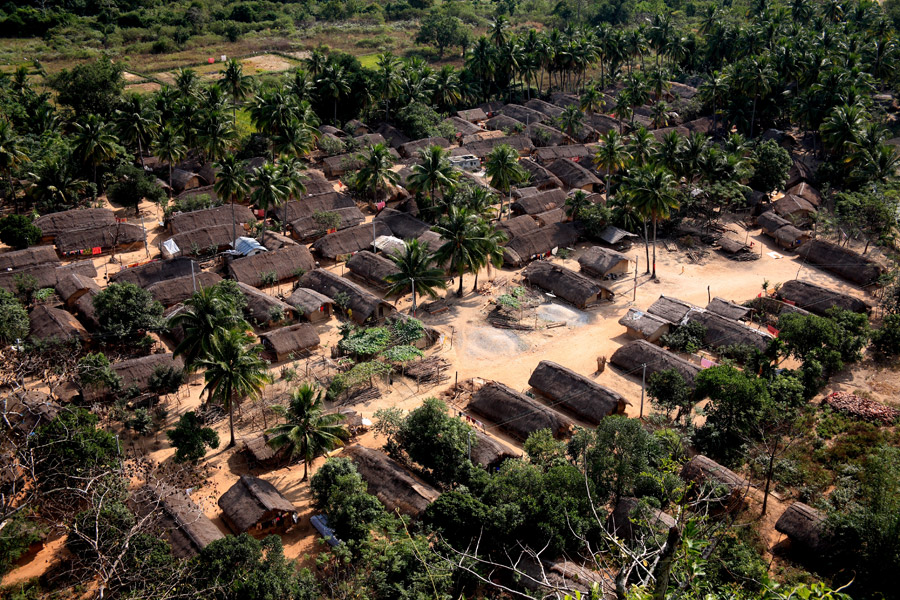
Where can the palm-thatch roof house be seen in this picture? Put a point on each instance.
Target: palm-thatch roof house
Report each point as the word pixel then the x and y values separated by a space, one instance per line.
pixel 624 520
pixel 170 292
pixel 137 376
pixel 807 192
pixel 843 262
pixel 262 455
pixel 701 469
pixel 178 518
pixel 361 306
pixel 727 309
pixel 365 140
pixel 794 208
pixel 73 286
pixel 805 526
pixel 29 257
pixel 185 180
pixel 587 400
pixel 722 332
pixel 789 237
pixel 543 136
pixel 770 222
pixel 732 246
pixel 284 265
pixel 159 270
pixel 311 305
pixel 601 262
pixel 410 149
pixel 310 205
pixel 374 269
pixel 518 226
pixel 254 506
pixel 461 127
pixel 551 217
pixel 504 123
pixel 350 241
pixel 277 241
pixel 472 115
pixel 84 306
pixel 545 108
pixel 671 309
pixel 488 452
pixel 817 299
pixel 124 237
pixel 395 487
pixel 53 224
pixel 540 177
pixel 545 156
pixel 520 143
pixel 394 137
pixel 634 355
pixel 402 225
pixel 211 217
pixel 264 311
pixel 571 286
pixel 200 242
pixel 292 341
pixel 540 202
pixel 54 325
pixel 540 242
pixel 523 114
pixel 573 175
pixel 640 325
pixel 517 414
pixel 309 228
pixel 46 275
pixel 28 410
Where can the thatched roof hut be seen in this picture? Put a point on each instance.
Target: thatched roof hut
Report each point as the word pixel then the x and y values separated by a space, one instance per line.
pixel 350 241
pixel 261 307
pixel 573 175
pixel 253 505
pixel 287 264
pixel 843 262
pixel 461 126
pixel 372 268
pixel 603 123
pixel 73 286
pixel 159 270
pixel 790 237
pixel 632 356
pixel 541 178
pixel 172 291
pixel 518 226
pixel 503 123
pixel 523 248
pixel 136 374
pixel 472 115
pixel 365 140
pixel 88 242
pixel 629 512
pixel 794 208
pixel 211 217
pixel 261 454
pixel 180 520
pixel 28 410
pixel 551 217
pixel 521 143
pixel 770 222
pixel 47 275
pixel 732 246
pixel 53 224
pixel 804 525
pixel 817 299
pixel 545 108
pixel 29 257
pixel 598 261
pixel 356 127
pixel 722 332
pixel 202 194
pixel 184 180
pixel 402 225
pixel 308 228
pixel 807 192
pixel 396 488
pixel 489 452
pixel 84 306
pixel 587 400
pixel 544 136
pixel 55 325
pixel 394 137
pixel 565 283
pixel 206 240
pixel 671 309
pixel 548 155
pixel 309 205
pixel 523 114
pixel 727 309
pixel 311 305
pixel 277 241
pixel 410 149
pixel 540 202
pixel 701 469
pixel 642 325
pixel 517 414
pixel 362 305
pixel 294 340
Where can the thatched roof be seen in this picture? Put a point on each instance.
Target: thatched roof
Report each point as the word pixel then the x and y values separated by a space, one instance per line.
pixel 794 207
pixel 86 311
pixel 613 235
pixel 732 246
pixel 473 115
pixel 517 414
pixel 290 340
pixel 844 262
pixel 603 123
pixel 308 301
pixel 523 248
pixel 722 332
pixel 545 108
pixel 104 237
pixel 789 236
pixel 158 270
pixel 309 205
pixel 482 148
pixel 394 136
pixel 251 500
pixel 807 192
pixel 802 169
pixel 671 309
pixel 633 355
pixel 771 222
pixel 804 525
pixel 308 228
pixel 402 225
pixel 564 283
pixel 462 126
pixel 375 268
pixel 544 136
pixel 277 241
pixel 210 217
pixel 727 309
pixel 184 180
pixel 586 399
pixel 621 521
pixel 701 469
pixel 335 166
pixel 365 140
pixel 260 305
pixel 817 299
pixel 551 217
pixel 204 190
pixel 541 178
pixel 395 487
pixel 29 257
pixel 598 261
pixel 432 239
pixel 262 453
pixel 548 155
pixel 285 263
pixel 136 374
pixel 681 90
pixel 364 304
pixel 172 291
pixel 488 452
pixel 572 174
pixel 538 203
pixel 28 410
pixel 332 130
pixel 648 325
pixel 198 242
pixel 518 226
pixel 412 148
pixel 503 123
pixel 523 114
pixel 70 220
pixel 182 522
pixel 72 286
pixel 350 241
pixel 55 325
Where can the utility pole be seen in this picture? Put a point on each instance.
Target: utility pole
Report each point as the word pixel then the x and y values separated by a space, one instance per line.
pixel 193 277
pixel 643 385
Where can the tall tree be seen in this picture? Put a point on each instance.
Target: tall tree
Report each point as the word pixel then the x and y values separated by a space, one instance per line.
pixel 11 156
pixel 416 273
pixel 611 156
pixel 462 245
pixel 376 172
pixel 169 146
pixel 95 142
pixel 137 123
pixel 232 184
pixel 208 311
pixel 270 189
pixel 238 85
pixel 333 82
pixel 653 190
pixel 433 172
pixel 503 168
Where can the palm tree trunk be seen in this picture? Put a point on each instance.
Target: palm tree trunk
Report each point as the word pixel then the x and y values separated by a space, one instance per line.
pixel 646 247
pixel 475 287
pixel 231 423
pixel 305 469
pixel 459 292
pixel 141 152
pixel 654 248
pixel 414 299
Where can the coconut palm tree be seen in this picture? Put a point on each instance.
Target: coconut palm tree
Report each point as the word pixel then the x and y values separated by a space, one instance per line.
pixel 711 90
pixel 591 100
pixel 462 247
pixel 294 140
pixel 272 112
pixel 56 186
pixel 301 85
pixel 502 166
pixel 333 83
pixel 446 89
pixel 238 85
pixel 659 113
pixel 138 124
pixel 232 184
pixel 416 273
pixel 317 60
pixel 308 430
pixel 169 146
pixel 652 189
pixel 641 144
pixel 491 241
pixel 576 202
pixel 612 155
pixel 233 371
pixel 842 128
pixel 376 172
pixel 187 82
pixel 95 142
pixel 11 156
pixel 215 135
pixel 387 80
pixel 269 191
pixel 571 120
pixel 433 173
pixel 207 311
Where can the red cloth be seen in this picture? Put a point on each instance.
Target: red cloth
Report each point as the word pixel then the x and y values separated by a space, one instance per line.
pixel 772 330
pixel 96 250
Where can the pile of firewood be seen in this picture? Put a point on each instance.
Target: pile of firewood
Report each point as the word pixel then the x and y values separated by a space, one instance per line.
pixel 862 408
pixel 431 370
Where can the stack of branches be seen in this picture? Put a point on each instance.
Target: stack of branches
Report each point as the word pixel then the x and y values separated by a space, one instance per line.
pixel 510 310
pixel 862 408
pixel 431 370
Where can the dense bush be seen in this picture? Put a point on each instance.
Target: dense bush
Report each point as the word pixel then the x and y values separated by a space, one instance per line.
pixel 18 232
